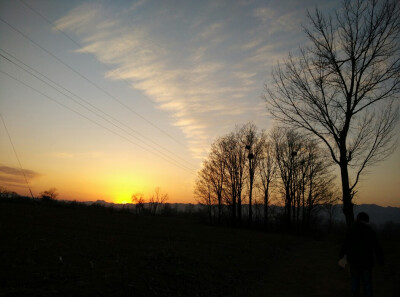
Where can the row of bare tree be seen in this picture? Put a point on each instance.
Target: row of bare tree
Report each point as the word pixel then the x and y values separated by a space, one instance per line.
pixel 248 164
pixel 344 89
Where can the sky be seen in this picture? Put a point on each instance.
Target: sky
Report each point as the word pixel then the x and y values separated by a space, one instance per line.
pixel 121 97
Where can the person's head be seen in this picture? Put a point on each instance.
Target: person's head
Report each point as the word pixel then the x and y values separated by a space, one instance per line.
pixel 363 217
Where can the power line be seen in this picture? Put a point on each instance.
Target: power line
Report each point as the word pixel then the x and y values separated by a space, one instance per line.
pixel 75 42
pixel 91 120
pixel 51 23
pixel 91 82
pixel 96 108
pixel 16 155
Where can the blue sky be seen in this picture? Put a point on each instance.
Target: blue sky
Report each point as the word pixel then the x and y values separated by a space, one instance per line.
pixel 175 74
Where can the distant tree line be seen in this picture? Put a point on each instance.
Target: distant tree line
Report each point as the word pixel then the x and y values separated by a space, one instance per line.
pixel 4 193
pixel 249 166
pixel 48 195
pixel 156 200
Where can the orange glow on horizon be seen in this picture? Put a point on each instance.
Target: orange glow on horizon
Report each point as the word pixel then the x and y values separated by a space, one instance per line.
pixel 123 196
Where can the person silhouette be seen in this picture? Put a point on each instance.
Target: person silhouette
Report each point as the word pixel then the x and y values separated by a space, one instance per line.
pixel 361 245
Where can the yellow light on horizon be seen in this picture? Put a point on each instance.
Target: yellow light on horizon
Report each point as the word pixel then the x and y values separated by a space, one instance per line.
pixel 122 185
pixel 123 197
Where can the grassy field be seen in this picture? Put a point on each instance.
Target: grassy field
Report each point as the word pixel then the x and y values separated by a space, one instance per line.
pixel 48 250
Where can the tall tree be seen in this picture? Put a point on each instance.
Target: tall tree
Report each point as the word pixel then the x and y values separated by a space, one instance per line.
pixel 203 189
pixel 217 164
pixel 317 181
pixel 344 87
pixel 235 156
pixel 286 144
pixel 253 142
pixel 267 172
pixel 211 179
pixel 235 174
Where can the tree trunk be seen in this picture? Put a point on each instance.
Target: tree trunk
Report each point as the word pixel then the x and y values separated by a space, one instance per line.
pixel 209 207
pixel 233 207
pixel 250 198
pixel 346 198
pixel 288 208
pixel 266 198
pixel 239 206
pixel 219 207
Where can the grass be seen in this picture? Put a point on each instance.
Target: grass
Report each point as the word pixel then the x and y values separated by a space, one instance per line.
pixel 48 250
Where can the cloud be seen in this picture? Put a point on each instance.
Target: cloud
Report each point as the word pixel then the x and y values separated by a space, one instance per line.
pixel 212 31
pixel 15 176
pixel 264 13
pixel 137 4
pixel 80 18
pixel 196 68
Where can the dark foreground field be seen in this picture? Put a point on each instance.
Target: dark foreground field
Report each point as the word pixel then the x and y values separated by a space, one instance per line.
pixel 58 251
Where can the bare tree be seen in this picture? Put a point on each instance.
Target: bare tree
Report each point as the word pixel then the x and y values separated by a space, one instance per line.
pixel 3 192
pixel 344 87
pixel 286 144
pixel 317 181
pixel 203 190
pixel 216 166
pixel 48 195
pixel 235 158
pixel 232 182
pixel 157 198
pixel 254 143
pixel 139 201
pixel 222 178
pixel 306 179
pixel 330 208
pixel 267 173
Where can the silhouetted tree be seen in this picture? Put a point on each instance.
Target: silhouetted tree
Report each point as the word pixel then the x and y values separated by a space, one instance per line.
pixel 217 166
pixel 267 173
pixel 286 145
pixel 231 160
pixel 254 143
pixel 316 184
pixel 343 87
pixel 213 174
pixel 236 170
pixel 305 175
pixel 203 189
pixel 157 199
pixel 3 192
pixel 139 201
pixel 212 180
pixel 50 194
pixel 330 208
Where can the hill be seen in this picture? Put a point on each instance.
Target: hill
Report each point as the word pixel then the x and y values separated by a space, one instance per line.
pixel 379 215
pixel 53 250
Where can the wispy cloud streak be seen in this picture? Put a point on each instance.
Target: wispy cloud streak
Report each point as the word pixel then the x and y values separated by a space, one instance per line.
pixel 14 176
pixel 198 68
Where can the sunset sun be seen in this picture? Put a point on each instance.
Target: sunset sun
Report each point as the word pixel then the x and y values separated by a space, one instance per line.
pixel 123 196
